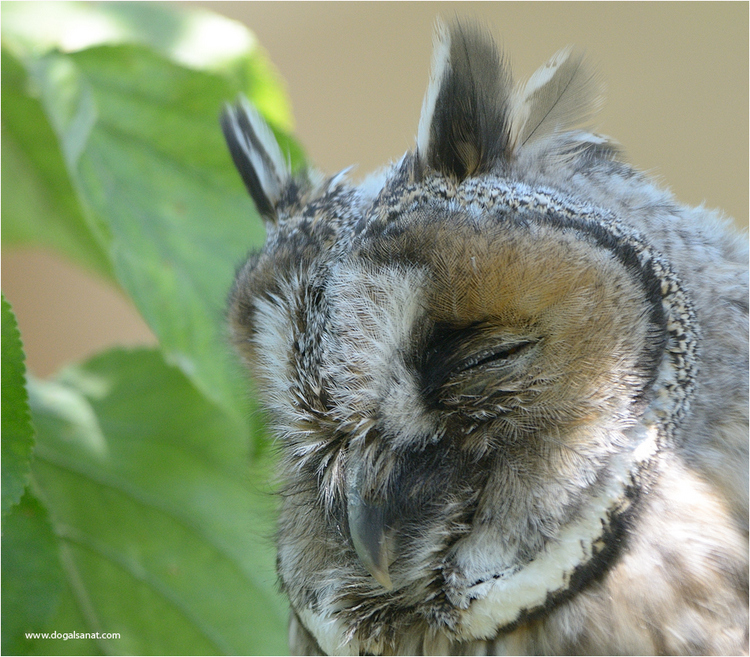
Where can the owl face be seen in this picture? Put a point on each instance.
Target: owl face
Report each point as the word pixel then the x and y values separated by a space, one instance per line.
pixel 449 391
pixel 469 368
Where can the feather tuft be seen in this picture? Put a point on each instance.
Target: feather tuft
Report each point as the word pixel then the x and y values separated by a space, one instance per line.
pixel 441 50
pixel 561 95
pixel 464 128
pixel 256 155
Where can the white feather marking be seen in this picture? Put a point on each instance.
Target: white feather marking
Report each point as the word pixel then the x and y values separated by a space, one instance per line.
pixel 560 95
pixel 329 632
pixel 339 178
pixel 272 179
pixel 373 184
pixel 440 63
pixel 381 307
pixel 500 600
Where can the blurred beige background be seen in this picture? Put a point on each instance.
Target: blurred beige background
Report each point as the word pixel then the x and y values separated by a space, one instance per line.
pixel 677 100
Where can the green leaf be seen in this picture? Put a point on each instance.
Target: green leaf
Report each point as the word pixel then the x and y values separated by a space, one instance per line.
pixel 17 434
pixel 39 205
pixel 142 145
pixel 165 540
pixel 143 153
pixel 193 38
pixel 32 578
pixel 31 574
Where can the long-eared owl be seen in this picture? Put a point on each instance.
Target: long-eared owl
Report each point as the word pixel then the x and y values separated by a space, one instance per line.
pixel 508 380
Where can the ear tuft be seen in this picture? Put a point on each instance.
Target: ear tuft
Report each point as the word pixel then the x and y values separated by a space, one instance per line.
pixel 561 95
pixel 464 127
pixel 256 155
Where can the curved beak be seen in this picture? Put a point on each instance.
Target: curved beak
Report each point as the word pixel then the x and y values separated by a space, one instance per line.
pixel 369 532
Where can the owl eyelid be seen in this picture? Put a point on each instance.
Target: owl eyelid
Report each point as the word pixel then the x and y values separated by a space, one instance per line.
pixel 503 353
pixel 457 354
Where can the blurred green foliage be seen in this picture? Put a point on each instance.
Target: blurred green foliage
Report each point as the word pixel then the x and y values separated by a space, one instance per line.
pixel 135 495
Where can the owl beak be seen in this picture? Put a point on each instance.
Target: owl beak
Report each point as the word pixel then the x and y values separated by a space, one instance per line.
pixel 369 535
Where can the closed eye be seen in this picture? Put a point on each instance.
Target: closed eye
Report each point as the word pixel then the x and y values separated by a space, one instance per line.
pixel 503 354
pixel 470 357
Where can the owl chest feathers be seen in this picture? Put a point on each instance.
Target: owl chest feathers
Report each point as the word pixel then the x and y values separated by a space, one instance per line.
pixel 479 367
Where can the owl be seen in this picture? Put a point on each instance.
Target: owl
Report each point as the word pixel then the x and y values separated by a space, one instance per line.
pixel 508 380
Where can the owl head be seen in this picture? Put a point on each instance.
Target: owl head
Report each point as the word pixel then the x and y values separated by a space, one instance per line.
pixel 470 361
